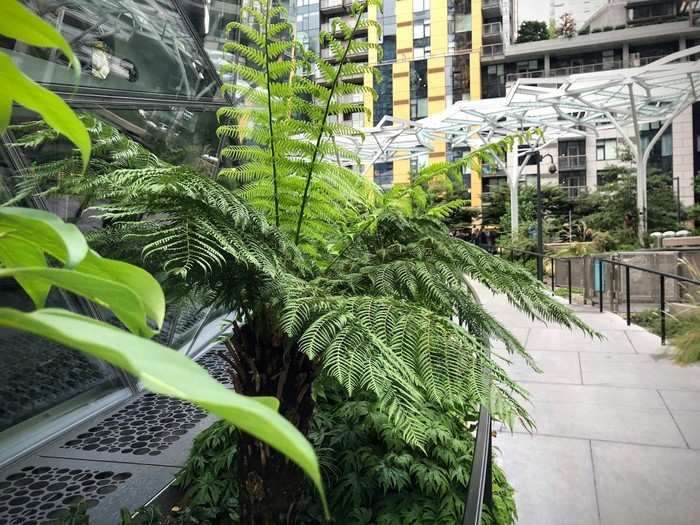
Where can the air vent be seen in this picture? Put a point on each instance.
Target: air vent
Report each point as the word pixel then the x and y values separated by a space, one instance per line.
pixel 37 494
pixel 147 426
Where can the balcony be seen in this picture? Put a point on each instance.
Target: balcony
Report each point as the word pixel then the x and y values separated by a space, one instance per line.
pixel 493 32
pixel 572 162
pixel 330 7
pixel 492 51
pixel 512 77
pixel 350 20
pixel 585 68
pixel 327 53
pixel 491 8
pixel 575 192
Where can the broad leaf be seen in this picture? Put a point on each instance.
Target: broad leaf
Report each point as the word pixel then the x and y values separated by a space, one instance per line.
pixel 16 252
pixel 122 300
pixel 166 372
pixel 50 106
pixel 138 279
pixel 48 232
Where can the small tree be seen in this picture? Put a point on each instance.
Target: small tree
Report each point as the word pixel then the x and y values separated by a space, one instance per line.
pixel 567 26
pixel 532 31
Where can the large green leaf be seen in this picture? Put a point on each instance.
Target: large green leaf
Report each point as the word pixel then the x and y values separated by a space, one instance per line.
pixel 166 372
pixel 49 233
pixel 18 22
pixel 20 88
pixel 16 252
pixel 122 300
pixel 138 279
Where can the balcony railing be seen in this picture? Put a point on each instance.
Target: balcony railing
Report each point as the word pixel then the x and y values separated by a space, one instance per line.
pixel 350 20
pixel 493 31
pixel 574 192
pixel 335 6
pixel 493 50
pixel 585 68
pixel 491 7
pixel 512 77
pixel 327 52
pixel 572 162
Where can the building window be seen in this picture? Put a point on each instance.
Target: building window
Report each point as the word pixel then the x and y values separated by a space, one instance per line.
pixel 384 87
pixel 606 149
pixel 666 145
pixel 418 163
pixel 384 174
pixel 421 5
pixel 421 38
pixel 419 89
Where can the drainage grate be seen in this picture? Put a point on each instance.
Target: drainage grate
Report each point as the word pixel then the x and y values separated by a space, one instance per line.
pixel 147 426
pixel 36 494
pixel 214 363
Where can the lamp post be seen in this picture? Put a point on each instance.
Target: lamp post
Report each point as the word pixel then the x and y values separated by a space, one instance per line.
pixel 540 219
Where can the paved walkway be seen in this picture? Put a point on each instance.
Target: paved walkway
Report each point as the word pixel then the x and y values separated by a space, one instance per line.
pixel 618 426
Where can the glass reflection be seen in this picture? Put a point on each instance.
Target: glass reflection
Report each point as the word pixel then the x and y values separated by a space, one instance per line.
pixel 124 45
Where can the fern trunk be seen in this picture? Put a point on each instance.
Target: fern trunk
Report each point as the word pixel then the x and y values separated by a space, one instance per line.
pixel 271 488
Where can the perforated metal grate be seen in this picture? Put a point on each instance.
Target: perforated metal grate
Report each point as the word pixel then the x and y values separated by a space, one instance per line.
pixel 147 426
pixel 215 363
pixel 37 494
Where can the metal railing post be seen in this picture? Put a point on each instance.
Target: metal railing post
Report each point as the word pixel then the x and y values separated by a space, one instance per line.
pixel 662 285
pixel 553 273
pixel 628 294
pixel 600 284
pixel 569 264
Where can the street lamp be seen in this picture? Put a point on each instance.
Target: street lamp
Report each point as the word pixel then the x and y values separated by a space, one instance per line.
pixel 540 227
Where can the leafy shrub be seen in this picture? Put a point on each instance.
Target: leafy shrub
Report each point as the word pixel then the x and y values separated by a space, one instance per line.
pixel 682 332
pixel 375 477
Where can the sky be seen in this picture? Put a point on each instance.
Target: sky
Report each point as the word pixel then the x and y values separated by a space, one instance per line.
pixel 581 10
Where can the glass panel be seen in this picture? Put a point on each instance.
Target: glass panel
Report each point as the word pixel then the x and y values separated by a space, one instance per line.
pixel 611 149
pixel 122 45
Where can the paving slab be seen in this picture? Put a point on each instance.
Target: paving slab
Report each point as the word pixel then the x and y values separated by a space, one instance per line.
pixel 688 422
pixel 552 477
pixel 604 413
pixel 635 370
pixel 557 367
pixel 646 342
pixel 565 340
pixel 644 485
pixel 681 399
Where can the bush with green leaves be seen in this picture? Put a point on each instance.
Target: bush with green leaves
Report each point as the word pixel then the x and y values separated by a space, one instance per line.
pixel 375 477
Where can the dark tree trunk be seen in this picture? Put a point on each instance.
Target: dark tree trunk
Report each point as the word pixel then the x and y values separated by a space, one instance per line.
pixel 272 488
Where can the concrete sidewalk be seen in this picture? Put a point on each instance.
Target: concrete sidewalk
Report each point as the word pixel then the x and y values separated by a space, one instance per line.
pixel 618 426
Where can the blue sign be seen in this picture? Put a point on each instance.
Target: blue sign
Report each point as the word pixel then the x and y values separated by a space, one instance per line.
pixel 598 277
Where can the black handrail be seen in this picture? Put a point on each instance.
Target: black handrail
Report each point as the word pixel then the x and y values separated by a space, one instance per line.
pixel 480 489
pixel 601 261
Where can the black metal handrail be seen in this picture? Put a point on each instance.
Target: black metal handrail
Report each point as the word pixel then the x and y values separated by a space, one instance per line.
pixel 601 262
pixel 480 489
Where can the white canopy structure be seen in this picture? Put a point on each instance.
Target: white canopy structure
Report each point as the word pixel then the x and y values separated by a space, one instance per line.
pixel 623 99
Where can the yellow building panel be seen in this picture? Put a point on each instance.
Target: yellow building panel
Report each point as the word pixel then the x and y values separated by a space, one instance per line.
pixel 437 91
pixel 475 90
pixel 401 78
pixel 438 27
pixel 402 172
pixel 404 30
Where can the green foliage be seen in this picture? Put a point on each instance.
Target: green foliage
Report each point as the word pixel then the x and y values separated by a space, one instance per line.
pixel 376 477
pixel 19 23
pixel 28 237
pixel 209 477
pixel 532 31
pixel 682 332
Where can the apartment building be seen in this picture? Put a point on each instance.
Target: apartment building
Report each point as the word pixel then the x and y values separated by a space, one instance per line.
pixel 620 34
